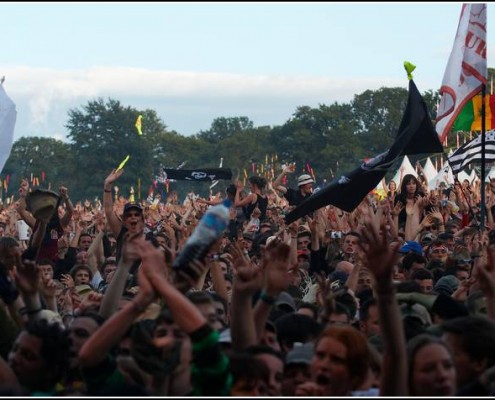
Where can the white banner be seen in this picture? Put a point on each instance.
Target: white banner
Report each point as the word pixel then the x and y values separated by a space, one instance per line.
pixel 466 68
pixel 8 116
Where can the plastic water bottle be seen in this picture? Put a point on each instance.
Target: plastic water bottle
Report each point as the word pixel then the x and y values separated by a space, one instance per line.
pixel 209 229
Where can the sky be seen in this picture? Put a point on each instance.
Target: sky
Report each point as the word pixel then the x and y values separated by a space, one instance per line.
pixel 193 62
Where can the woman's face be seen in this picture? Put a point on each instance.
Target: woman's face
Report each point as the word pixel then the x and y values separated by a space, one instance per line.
pixel 433 372
pixel 392 186
pixel 411 186
pixel 329 367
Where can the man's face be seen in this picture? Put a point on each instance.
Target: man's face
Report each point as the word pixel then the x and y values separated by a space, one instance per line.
pixel 133 221
pixel 303 242
pixel 26 361
pixel 82 257
pixel 371 326
pixel 9 256
pixel 364 281
pixel 209 311
pixel 85 242
pixel 46 271
pixel 81 277
pixel 108 269
pixel 439 253
pixel 306 189
pixel 350 245
pixel 80 331
pixel 221 314
pixel 426 285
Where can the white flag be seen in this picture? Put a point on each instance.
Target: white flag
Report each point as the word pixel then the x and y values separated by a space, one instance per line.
pixel 466 69
pixel 8 116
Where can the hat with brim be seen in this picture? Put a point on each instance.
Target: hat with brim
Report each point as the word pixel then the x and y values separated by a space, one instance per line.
pixel 304 180
pixel 42 203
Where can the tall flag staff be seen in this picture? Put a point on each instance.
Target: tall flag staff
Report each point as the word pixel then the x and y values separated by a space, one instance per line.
pixel 465 76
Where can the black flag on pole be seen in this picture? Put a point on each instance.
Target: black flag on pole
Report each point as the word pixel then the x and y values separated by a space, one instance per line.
pixel 199 174
pixel 416 135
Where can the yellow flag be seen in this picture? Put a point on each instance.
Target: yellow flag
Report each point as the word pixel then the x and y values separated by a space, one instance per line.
pixel 123 162
pixel 138 124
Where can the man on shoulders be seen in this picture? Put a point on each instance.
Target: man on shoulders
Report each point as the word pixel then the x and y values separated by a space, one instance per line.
pixel 304 184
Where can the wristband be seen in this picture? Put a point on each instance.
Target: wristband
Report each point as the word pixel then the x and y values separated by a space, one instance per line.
pixel 107 191
pixel 265 297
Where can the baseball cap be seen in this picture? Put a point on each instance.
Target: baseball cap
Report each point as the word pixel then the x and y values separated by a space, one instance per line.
pixel 304 180
pixel 285 299
pixel 301 353
pixel 411 246
pixel 447 284
pixel 417 311
pixel 130 206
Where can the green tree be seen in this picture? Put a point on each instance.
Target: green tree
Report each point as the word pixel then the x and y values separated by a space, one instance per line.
pixel 102 134
pixel 34 155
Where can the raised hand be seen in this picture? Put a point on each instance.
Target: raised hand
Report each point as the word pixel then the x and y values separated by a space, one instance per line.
pixel 48 288
pixel 485 272
pixel 93 299
pixel 379 256
pixel 63 191
pixel 113 176
pixel 275 264
pixel 67 280
pixel 27 276
pixel 24 188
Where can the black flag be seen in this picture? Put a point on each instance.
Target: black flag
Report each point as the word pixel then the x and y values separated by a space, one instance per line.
pixel 416 135
pixel 200 174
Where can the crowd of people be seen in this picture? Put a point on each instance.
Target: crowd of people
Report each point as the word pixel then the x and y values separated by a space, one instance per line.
pixel 396 298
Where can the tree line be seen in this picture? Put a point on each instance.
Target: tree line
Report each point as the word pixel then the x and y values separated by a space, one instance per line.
pixel 327 141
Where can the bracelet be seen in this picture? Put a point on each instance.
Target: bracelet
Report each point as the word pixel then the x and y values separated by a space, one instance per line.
pixel 265 297
pixel 107 191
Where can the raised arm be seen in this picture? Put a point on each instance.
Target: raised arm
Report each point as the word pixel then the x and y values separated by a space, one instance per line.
pixel 69 208
pixel 275 265
pixel 185 313
pixel 115 288
pixel 238 202
pixel 380 258
pixel 113 221
pixel 277 183
pixel 21 205
pixel 97 347
pixel 247 281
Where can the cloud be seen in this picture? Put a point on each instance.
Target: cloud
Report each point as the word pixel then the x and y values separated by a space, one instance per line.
pixel 186 101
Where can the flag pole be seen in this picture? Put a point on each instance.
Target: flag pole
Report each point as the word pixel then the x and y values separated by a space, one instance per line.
pixel 483 129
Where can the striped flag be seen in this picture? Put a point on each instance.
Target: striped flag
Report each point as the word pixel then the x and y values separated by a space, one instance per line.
pixel 471 152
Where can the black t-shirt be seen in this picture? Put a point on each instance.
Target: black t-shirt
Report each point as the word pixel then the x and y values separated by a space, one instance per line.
pixel 294 197
pixel 261 202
